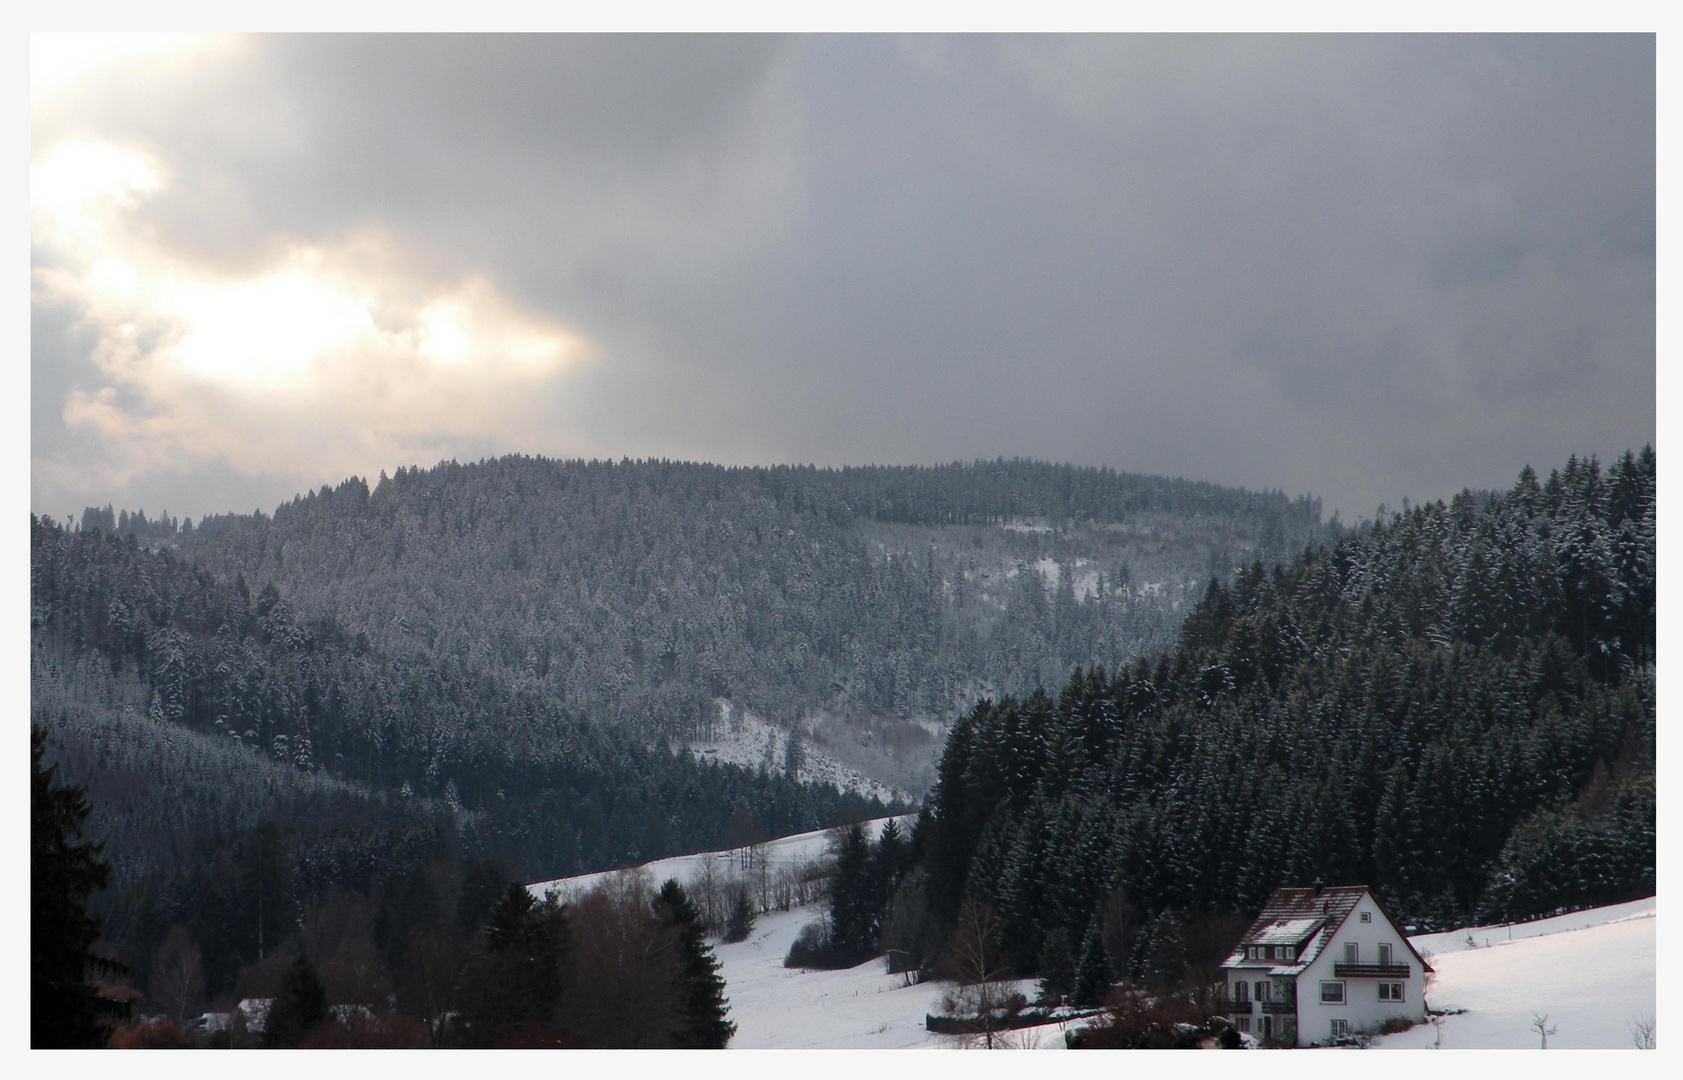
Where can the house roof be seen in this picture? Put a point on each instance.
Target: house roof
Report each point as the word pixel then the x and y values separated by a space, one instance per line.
pixel 1306 913
pixel 1283 932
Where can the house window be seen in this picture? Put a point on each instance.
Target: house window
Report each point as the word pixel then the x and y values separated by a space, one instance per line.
pixel 1352 953
pixel 1242 993
pixel 1340 1028
pixel 1250 954
pixel 1279 952
pixel 1384 954
pixel 1262 991
pixel 1244 1023
pixel 1332 993
pixel 1390 991
pixel 1367 916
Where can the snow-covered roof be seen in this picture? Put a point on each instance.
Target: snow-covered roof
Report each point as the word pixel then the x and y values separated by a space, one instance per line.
pixel 1309 907
pixel 256 1013
pixel 1327 907
pixel 1283 932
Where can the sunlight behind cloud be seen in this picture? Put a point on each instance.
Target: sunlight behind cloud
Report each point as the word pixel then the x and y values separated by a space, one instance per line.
pixel 333 355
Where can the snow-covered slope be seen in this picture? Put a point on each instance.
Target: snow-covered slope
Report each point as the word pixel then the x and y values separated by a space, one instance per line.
pixel 742 738
pixel 860 1008
pixel 801 847
pixel 1591 972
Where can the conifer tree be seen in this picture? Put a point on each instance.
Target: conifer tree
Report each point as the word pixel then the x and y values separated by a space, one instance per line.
pixel 851 927
pixel 741 922
pixel 65 1010
pixel 702 1022
pixel 1092 970
pixel 300 1006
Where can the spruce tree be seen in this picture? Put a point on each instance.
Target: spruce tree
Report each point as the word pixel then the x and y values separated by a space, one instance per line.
pixel 517 980
pixel 299 1007
pixel 1057 967
pixel 1092 970
pixel 702 1005
pixel 851 929
pixel 65 1010
pixel 741 918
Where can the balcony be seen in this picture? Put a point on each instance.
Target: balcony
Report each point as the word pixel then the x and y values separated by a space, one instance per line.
pixel 1243 1008
pixel 1370 971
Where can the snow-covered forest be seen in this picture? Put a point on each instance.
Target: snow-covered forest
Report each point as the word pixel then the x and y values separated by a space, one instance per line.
pixel 1455 707
pixel 866 606
pixel 242 761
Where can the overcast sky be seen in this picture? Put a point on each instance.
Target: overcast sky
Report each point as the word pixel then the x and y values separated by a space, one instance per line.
pixel 1364 268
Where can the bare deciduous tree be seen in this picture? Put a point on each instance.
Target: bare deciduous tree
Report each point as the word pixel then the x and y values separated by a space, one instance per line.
pixel 1540 1024
pixel 178 979
pixel 978 997
pixel 625 967
pixel 1643 1031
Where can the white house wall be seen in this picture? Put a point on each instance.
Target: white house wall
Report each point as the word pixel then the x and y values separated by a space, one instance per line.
pixel 1362 1010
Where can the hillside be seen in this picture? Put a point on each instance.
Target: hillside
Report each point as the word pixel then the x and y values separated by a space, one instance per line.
pixel 1456 707
pixel 865 606
pixel 1593 972
pixel 244 762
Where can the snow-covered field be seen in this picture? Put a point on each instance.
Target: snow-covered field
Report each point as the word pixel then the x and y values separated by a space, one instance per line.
pixel 1592 973
pixel 860 1008
pixel 801 847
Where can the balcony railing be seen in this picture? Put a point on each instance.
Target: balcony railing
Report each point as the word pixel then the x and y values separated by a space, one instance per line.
pixel 1370 971
pixel 1243 1008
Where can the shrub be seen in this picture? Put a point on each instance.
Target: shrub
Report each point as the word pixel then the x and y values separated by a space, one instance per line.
pixel 813 949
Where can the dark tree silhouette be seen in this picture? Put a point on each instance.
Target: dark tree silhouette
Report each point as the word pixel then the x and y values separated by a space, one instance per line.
pixel 300 1006
pixel 65 1010
pixel 702 1006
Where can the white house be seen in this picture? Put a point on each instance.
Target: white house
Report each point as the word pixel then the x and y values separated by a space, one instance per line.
pixel 1319 963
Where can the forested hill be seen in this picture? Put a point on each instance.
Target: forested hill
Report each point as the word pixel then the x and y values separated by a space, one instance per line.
pixel 854 602
pixel 1455 706
pixel 215 726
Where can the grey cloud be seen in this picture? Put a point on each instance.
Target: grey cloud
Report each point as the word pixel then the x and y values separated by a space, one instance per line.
pixel 1365 267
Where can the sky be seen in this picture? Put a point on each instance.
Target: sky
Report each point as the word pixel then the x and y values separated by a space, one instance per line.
pixel 1362 268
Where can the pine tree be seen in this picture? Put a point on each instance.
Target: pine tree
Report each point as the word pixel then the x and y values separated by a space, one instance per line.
pixel 702 1005
pixel 299 1007
pixel 1057 967
pixel 65 1010
pixel 852 932
pixel 1092 970
pixel 741 918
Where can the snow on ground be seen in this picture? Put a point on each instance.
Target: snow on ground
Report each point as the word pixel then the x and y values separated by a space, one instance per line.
pixel 741 738
pixel 1592 972
pixel 858 1008
pixel 801 847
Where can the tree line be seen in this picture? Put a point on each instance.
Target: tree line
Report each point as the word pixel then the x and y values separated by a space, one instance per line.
pixel 440 954
pixel 244 761
pixel 1455 706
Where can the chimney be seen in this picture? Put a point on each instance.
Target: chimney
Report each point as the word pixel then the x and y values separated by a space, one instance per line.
pixel 1318 886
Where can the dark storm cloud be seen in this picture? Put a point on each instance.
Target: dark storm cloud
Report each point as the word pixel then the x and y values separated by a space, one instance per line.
pixel 1361 267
